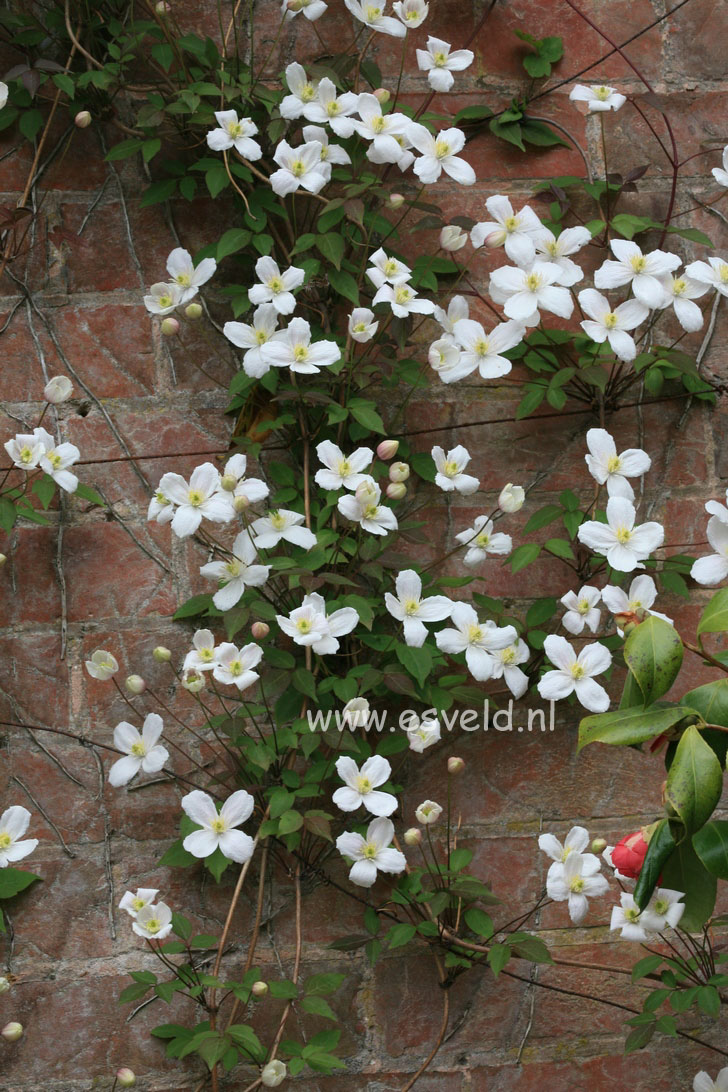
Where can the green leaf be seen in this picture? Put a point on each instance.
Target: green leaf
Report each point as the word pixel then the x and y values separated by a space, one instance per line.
pixel 123 150
pixel 660 846
pixel 316 1006
pixel 542 517
pixel 684 871
pixel 646 966
pixel 15 880
pixel 232 241
pixel 366 415
pixel 89 494
pixel 304 682
pixel 198 604
pixel 626 727
pixel 694 780
pixel 417 661
pixel 290 821
pixel 498 956
pixel 654 652
pixel 714 618
pixel 332 246
pixel 711 845
pixel 459 859
pixel 524 555
pixel 400 935
pixel 344 284
pixel 323 983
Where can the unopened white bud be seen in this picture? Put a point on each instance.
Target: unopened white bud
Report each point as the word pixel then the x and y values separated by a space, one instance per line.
pixel 12 1031
pixel 170 327
pixel 511 498
pixel 259 988
pixel 366 492
pixel 273 1074
pixel 396 490
pixel 599 845
pixel 356 713
pixel 3 559
pixel 126 1077
pixel 58 389
pixel 452 237
pixel 412 837
pixel 241 503
pixel 387 449
pixel 428 812
pixel 396 200
pixel 4 984
pixel 229 483
pixel 193 311
pixel 162 655
pixel 135 684
pixel 399 472
pixel 82 119
pixel 162 7
pixel 382 95
pixel 259 630
pixel 455 765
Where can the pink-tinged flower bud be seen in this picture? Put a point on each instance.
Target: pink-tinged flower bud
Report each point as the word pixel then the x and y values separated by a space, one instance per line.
pixel 82 119
pixel 412 837
pixel 399 472
pixel 12 1031
pixel 598 845
pixel 126 1077
pixel 259 630
pixel 193 311
pixel 396 200
pixel 241 503
pixel 396 490
pixel 170 327
pixel 162 655
pixel 511 498
pixel 382 95
pixel 259 989
pixel 455 765
pixel 387 449
pixel 58 389
pixel 4 984
pixel 229 483
pixel 135 684
pixel 452 237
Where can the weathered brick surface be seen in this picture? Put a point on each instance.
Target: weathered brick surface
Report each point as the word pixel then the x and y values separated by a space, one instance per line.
pixel 142 397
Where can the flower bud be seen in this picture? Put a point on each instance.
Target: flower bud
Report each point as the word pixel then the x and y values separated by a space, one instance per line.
pixel 125 1077
pixel 396 200
pixel 58 389
pixel 193 311
pixel 399 472
pixel 628 855
pixel 428 812
pixel 598 845
pixel 294 5
pixel 162 7
pixel 82 119
pixel 135 684
pixel 194 681
pixel 229 482
pixel 455 765
pixel 259 630
pixel 170 326
pixel 382 95
pixel 452 237
pixel 273 1074
pixel 412 837
pixel 259 989
pixel 12 1031
pixel 4 984
pixel 241 503
pixel 356 713
pixel 366 492
pixel 3 559
pixel 511 498
pixel 162 655
pixel 102 665
pixel 387 449
pixel 396 490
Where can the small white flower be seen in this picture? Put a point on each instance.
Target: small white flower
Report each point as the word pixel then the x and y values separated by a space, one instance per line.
pixel 713 569
pixel 713 273
pixel 329 109
pixel 198 499
pixel 575 674
pixel 607 467
pixel 627 918
pixel 342 471
pixel 372 15
pixel 576 881
pixel 309 624
pixel 422 734
pixel 274 1072
pixel 187 276
pixel 218 829
pixel 450 467
pixel 515 231
pixel 381 129
pixel 237 574
pixel 356 713
pixel 403 300
pixel 599 98
pixel 143 751
pixel 3 94
pixel 362 324
pixel 624 545
pixel 385 269
pixel 276 288
pixel 558 251
pixel 524 292
pixel 234 666
pixel 56 458
pixel 234 132
pixel 160 508
pixel 478 640
pixel 445 358
pixel 721 174
pixel 312 9
pixel 641 271
pixel 505 666
pixel 453 238
pixel 581 610
pixel 363 507
pixel 606 323
pixel 481 541
pixel 575 841
pixel 153 922
pixel 511 498
pixel 412 610
pixel 641 595
pixel 102 665
pixel 439 63
pixel 428 813
pixel 330 153
pixel 202 656
pixel 301 166
pixel 360 786
pixel 163 298
pixel 371 854
pixel 282 525
pixel 411 12
pixel 25 450
pixel 680 291
pixel 14 822
pixel 58 389
pixel 303 92
pixel 457 309
pixel 440 153
pixel 484 351
pixel 252 337
pixel 193 681
pixel 663 910
pixel 294 350
pixel 703 1082
pixel 234 483
pixel 133 903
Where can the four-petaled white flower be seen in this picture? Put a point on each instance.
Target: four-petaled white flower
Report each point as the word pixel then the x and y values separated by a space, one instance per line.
pixel 450 477
pixel 713 273
pixel 641 271
pixel 624 545
pixel 680 291
pixel 163 298
pixel 481 541
pixel 599 98
pixel 25 450
pixel 285 525
pixel 362 324
pixel 342 471
pixel 275 287
pixel 385 268
pixel 14 822
pixel 303 92
pixel 143 750
pixel 236 574
pixel 301 166
pixel 309 624
pixel 153 922
pixel 610 469
pixel 607 323
pixel 330 153
pixel 363 507
pixel 409 608
pixel 218 828
pixel 664 910
pixel 440 153
pixel 371 854
pixel 372 15
pixel 360 786
pixel 478 640
pixel 329 109
pixel 234 482
pixel 382 130
pixel 160 508
pixel 629 920
pixel 445 358
pixel 56 458
pixel 234 666
pixel 439 63
pixel 581 610
pixel 484 351
pixel 505 666
pixel 523 292
pixel 713 568
pixel 403 300
pixel 575 841
pixel 457 309
pixel 576 881
pixel 252 337
pixel 294 350
pixel 196 500
pixel 102 665
pixel 558 251
pixel 234 132
pixel 703 1082
pixel 641 595
pixel 202 656
pixel 422 734
pixel 515 231
pixel 186 275
pixel 411 12
pixel 133 903
pixel 575 674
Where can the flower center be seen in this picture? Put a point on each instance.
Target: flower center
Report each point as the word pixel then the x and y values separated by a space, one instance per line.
pixel 303 625
pixel 474 634
pixel 602 93
pixel 723 272
pixel 54 459
pixel 137 904
pixel 583 606
pixel 138 749
pixel 483 539
pixel 614 463
pixel 390 267
pixel 369 851
pixel 481 347
pixel 300 354
pixel 195 498
pixel 206 655
pixel 373 13
pixel 260 335
pixel 411 606
pixel 165 300
pixel 153 925
pixel 632 914
pixel 324 151
pixel 638 263
pixel 553 248
pixel 510 223
pixel 661 907
pixel 371 511
pixel 363 785
pixel 218 826
pixel 442 149
pixel 610 320
pixel 307 93
pixel 450 469
pixel 440 60
pixel 678 286
pixel 403 294
pixel 183 279
pixel 234 568
pixel 623 535
pixel 577 671
pixel 344 468
pixel 377 124
pixel 298 168
pixel 5 840
pixel 577 885
pixel 26 455
pixel 333 108
pixel 533 282
pixel 508 655
pixel 278 521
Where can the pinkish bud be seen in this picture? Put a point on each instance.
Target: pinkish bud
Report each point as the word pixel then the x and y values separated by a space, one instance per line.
pixel 399 472
pixel 259 989
pixel 135 684
pixel 412 837
pixel 82 119
pixel 170 327
pixel 126 1077
pixel 455 765
pixel 396 200
pixel 396 490
pixel 259 630
pixel 382 95
pixel 387 449
pixel 193 311
pixel 162 655
pixel 12 1031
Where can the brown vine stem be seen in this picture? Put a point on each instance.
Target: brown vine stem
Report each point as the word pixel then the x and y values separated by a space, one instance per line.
pixel 705 656
pixel 443 1031
pixel 256 930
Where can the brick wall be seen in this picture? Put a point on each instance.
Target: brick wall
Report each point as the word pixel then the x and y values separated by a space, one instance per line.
pixel 94 580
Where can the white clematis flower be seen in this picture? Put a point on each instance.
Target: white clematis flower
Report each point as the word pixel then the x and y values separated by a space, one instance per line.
pixel 294 350
pixel 237 574
pixel 163 298
pixel 330 153
pixel 342 471
pixel 301 166
pixel 409 608
pixel 234 132
pixel 641 271
pixel 515 231
pixel 385 269
pixel 203 654
pixel 282 525
pixel 721 174
pixel 302 92
pixel 371 854
pixel 575 674
pixel 403 300
pixel 102 665
pixel 198 499
pixel 610 469
pixel 363 507
pixel 439 63
pixel 381 129
pixel 153 922
pixel 450 477
pixel 234 483
pixel 703 1082
pixel 599 98
pixel 275 287
pixel 440 153
pixel 445 358
pixel 186 275
pixel 362 324
pixel 478 640
pixel 422 734
pixel 481 541
pixel 360 786
pixel 14 822
pixel 624 545
pixel 627 918
pixel 329 109
pixel 664 910
pixel 641 595
pixel 457 309
pixel 606 323
pixel 411 12
pixel 133 903
pixel 372 15
pixel 143 751
pixel 680 291
pixel 56 458
pixel 428 812
pixel 234 666
pixel 252 337
pixel 25 450
pixel 484 351
pixel 575 841
pixel 505 666
pixel 312 10
pixel 309 624
pixel 581 610
pixel 713 273
pixel 523 292
pixel 558 250
pixel 218 829
pixel 713 569
pixel 576 881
